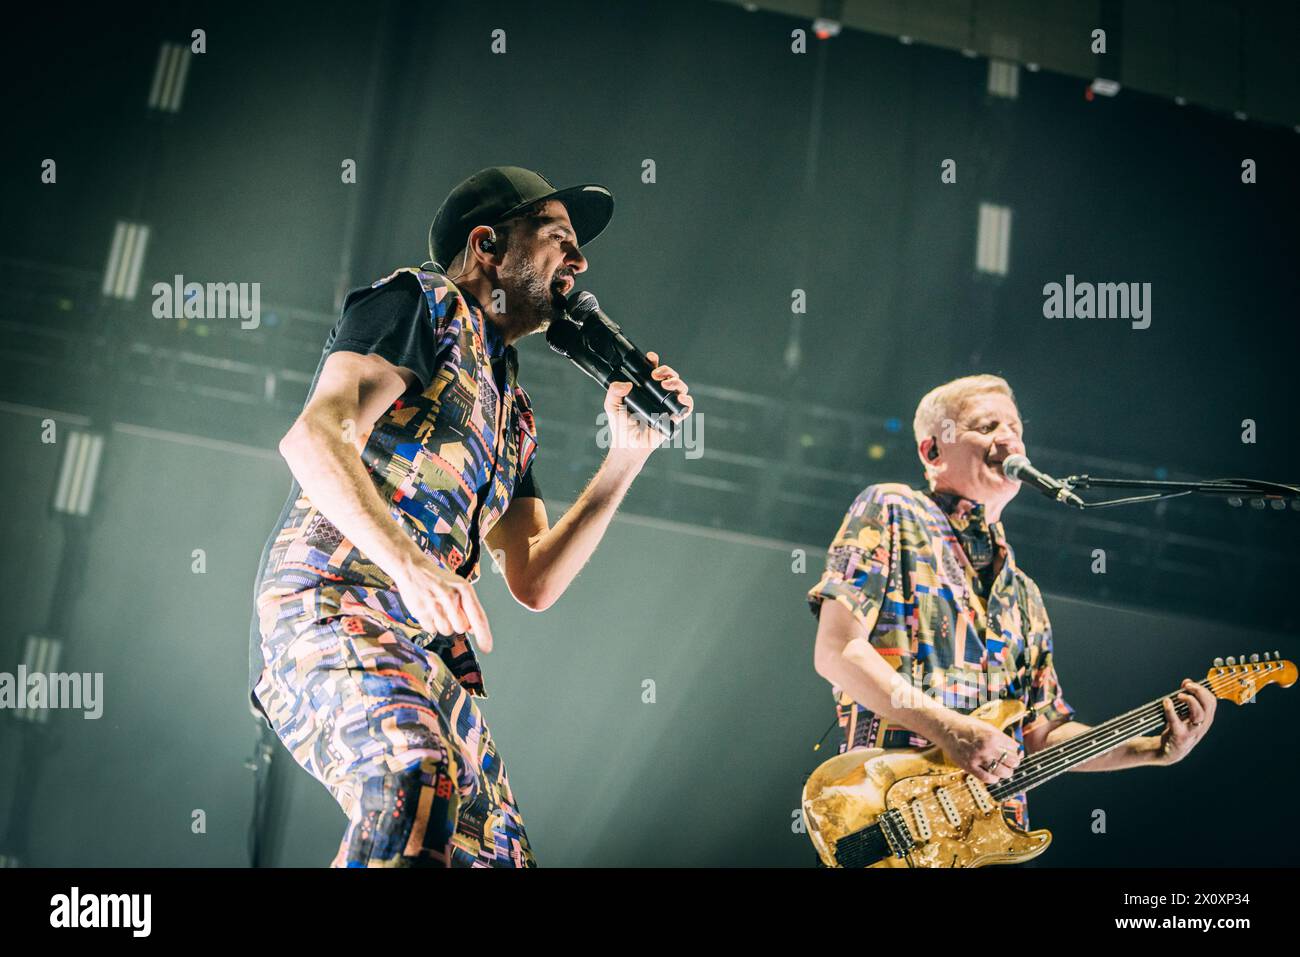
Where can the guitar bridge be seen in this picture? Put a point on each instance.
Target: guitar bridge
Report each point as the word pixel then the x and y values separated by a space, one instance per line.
pixel 894 828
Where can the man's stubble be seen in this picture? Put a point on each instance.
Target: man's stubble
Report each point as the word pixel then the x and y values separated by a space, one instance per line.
pixel 532 302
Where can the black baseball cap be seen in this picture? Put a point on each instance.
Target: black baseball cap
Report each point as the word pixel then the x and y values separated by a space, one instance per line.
pixel 499 192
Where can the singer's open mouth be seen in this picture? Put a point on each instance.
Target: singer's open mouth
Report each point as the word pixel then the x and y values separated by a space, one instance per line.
pixel 565 284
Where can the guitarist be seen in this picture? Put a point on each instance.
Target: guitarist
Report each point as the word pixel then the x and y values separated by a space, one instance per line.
pixel 931 616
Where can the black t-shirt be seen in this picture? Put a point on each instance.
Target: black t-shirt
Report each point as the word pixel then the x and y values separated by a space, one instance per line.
pixel 396 325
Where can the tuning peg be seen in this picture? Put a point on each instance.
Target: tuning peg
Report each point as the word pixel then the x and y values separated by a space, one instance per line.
pixel 1266 656
pixel 1254 659
pixel 1231 661
pixel 1277 655
pixel 1218 662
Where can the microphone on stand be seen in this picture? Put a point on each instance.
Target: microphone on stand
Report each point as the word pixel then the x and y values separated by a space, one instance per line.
pixel 1018 467
pixel 596 345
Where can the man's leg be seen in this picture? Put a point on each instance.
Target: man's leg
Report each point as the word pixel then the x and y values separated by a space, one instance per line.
pixel 388 730
pixel 349 701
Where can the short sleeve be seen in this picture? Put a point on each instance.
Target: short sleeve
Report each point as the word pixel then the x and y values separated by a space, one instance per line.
pixel 390 320
pixel 1045 694
pixel 858 561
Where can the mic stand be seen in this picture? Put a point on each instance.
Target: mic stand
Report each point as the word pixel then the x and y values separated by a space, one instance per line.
pixel 1236 490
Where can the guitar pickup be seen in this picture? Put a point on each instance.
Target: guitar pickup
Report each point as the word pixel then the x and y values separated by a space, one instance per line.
pixel 982 799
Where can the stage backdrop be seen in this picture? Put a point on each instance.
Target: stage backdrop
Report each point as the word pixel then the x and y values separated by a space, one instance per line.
pixel 663 712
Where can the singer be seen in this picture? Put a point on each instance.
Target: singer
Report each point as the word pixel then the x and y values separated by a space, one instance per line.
pixel 415 446
pixel 930 616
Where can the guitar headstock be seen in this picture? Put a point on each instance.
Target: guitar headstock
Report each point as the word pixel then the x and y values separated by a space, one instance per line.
pixel 1239 681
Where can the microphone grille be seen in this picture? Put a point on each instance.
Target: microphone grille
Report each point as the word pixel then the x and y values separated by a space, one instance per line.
pixel 1013 465
pixel 581 302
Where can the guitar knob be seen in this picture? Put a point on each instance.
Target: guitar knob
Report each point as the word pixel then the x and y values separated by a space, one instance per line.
pixel 1277 655
pixel 1266 656
pixel 1254 658
pixel 1231 661
pixel 1218 662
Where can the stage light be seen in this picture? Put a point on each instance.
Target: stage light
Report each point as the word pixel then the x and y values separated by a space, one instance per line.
pixel 1004 79
pixel 125 257
pixel 876 451
pixel 893 425
pixel 40 656
pixel 169 75
pixel 825 28
pixel 1104 87
pixel 992 249
pixel 78 473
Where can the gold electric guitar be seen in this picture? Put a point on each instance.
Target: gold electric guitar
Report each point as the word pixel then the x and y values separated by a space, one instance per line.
pixel 908 807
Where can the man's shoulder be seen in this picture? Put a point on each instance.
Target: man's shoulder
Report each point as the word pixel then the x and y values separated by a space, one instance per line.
pixel 400 282
pixel 892 495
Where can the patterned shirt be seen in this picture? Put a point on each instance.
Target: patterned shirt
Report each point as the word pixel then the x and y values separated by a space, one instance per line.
pixel 446 457
pixel 938 590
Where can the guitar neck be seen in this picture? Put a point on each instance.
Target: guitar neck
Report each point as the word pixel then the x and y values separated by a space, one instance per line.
pixel 1042 766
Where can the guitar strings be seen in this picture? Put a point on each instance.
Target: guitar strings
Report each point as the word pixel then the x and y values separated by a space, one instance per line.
pixel 1050 762
pixel 1024 777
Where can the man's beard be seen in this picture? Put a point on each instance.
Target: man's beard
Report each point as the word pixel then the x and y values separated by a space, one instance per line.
pixel 532 301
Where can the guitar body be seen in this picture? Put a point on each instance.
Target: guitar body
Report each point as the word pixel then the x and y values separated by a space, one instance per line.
pixel 964 828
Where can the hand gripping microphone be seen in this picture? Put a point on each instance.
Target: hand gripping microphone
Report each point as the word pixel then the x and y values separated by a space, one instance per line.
pixel 1018 467
pixel 593 342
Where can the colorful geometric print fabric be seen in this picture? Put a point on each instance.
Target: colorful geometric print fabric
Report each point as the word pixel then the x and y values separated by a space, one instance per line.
pixel 897 565
pixel 429 456
pixel 397 741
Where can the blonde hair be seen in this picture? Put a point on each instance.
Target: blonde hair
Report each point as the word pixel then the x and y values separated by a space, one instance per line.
pixel 946 402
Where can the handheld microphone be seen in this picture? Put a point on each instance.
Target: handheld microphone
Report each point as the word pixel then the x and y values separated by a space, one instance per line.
pixel 595 344
pixel 1018 467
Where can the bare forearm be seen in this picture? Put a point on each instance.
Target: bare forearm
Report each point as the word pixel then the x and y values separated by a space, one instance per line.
pixel 332 476
pixel 1136 752
pixel 556 558
pixel 846 659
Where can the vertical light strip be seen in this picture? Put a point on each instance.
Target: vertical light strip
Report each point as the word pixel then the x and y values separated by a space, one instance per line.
pixel 169 81
pixel 78 455
pixel 79 474
pixel 114 257
pixel 1004 78
pixel 41 655
pixel 993 242
pixel 160 68
pixel 1003 258
pixel 169 76
pixel 124 264
pixel 137 260
pixel 125 260
pixel 184 57
pixel 65 473
pixel 96 444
